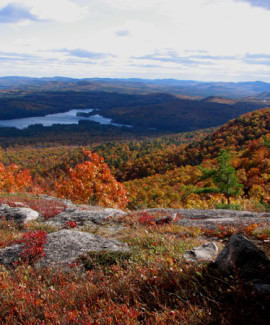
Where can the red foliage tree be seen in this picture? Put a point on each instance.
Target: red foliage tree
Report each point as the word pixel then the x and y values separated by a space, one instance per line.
pixel 92 182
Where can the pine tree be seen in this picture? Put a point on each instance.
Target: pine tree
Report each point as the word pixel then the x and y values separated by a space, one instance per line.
pixel 224 177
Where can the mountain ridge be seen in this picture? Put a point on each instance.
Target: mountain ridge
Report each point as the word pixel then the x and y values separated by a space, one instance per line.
pixel 137 85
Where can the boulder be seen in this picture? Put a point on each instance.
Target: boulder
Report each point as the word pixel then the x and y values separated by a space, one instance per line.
pixel 261 288
pixel 63 248
pixel 205 252
pixel 18 214
pixel 10 255
pixel 242 255
pixel 84 217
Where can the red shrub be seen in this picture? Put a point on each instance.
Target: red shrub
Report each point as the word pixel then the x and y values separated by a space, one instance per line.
pixel 47 208
pixel 224 231
pixel 146 219
pixel 33 245
pixel 71 224
pixel 12 202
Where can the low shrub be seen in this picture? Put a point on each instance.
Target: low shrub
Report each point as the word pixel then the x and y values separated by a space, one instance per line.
pixel 47 208
pixel 146 219
pixel 105 258
pixel 250 230
pixel 156 294
pixel 33 245
pixel 230 206
pixel 71 224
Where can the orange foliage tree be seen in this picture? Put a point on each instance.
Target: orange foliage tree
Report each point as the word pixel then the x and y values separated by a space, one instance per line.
pixel 92 182
pixel 12 179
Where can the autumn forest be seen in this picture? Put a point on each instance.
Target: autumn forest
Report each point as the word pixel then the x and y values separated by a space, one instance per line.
pixel 156 172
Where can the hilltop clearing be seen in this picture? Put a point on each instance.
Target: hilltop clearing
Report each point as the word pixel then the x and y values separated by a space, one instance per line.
pixel 136 267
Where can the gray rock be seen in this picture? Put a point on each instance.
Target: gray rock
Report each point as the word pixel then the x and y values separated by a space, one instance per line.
pixel 205 252
pixel 18 214
pixel 10 255
pixel 241 254
pixel 52 198
pixel 19 204
pixel 63 248
pixel 261 288
pixel 84 217
pixel 209 218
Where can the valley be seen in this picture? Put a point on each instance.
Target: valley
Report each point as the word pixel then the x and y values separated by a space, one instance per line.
pixel 152 110
pixel 159 167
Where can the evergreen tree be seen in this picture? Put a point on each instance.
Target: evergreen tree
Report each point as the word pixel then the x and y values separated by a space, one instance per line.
pixel 266 142
pixel 224 177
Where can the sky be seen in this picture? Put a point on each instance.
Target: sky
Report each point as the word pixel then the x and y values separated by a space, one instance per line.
pixel 206 40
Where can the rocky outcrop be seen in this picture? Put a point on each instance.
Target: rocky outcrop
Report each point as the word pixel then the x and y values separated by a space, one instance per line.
pixel 52 198
pixel 242 255
pixel 84 217
pixel 18 214
pixel 205 252
pixel 210 218
pixel 63 248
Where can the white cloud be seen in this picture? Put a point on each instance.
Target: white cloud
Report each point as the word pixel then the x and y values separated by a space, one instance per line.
pixel 172 38
pixel 134 5
pixel 218 26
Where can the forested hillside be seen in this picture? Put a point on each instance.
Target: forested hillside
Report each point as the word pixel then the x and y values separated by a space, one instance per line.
pixel 46 164
pixel 234 136
pixel 245 138
pixel 181 115
pixel 166 172
pixel 18 105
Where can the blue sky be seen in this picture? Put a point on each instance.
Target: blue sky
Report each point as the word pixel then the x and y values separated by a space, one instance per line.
pixel 208 40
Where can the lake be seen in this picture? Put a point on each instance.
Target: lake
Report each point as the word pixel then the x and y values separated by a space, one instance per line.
pixel 69 117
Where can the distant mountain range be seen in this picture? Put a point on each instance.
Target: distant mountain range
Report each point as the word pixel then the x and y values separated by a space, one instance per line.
pixel 184 88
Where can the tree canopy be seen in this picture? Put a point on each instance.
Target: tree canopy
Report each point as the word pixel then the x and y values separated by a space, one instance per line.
pixel 92 182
